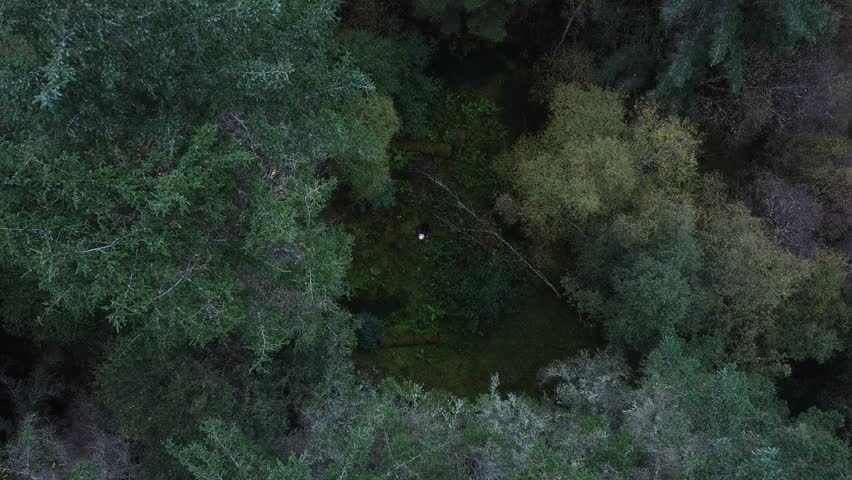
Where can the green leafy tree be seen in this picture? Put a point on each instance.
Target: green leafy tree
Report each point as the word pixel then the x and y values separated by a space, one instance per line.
pixel 644 265
pixel 364 162
pixel 26 312
pixel 590 162
pixel 578 167
pixel 817 311
pixel 355 431
pixel 650 293
pixel 752 277
pixel 668 148
pixel 396 63
pixel 677 256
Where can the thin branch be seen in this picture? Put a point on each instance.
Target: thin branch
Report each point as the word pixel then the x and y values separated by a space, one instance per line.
pixel 565 32
pixel 105 247
pixel 183 277
pixel 461 205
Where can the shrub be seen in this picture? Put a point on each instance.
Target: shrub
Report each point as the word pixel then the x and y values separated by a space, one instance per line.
pixel 371 331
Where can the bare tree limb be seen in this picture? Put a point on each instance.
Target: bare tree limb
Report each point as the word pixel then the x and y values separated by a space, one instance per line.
pixel 490 231
pixel 105 247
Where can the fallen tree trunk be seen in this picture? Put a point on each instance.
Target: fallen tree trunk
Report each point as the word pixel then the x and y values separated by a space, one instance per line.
pixel 410 341
pixel 484 228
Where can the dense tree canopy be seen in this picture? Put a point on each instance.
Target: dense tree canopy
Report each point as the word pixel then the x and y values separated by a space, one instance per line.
pixel 683 419
pixel 484 239
pixel 176 197
pixel 711 37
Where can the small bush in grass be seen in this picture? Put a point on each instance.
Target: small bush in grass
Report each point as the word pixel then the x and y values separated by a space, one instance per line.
pixel 371 332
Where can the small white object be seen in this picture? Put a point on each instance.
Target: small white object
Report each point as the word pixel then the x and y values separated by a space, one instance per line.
pixel 420 236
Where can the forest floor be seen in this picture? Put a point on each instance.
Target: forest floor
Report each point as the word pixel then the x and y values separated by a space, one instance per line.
pixel 516 348
pixel 489 314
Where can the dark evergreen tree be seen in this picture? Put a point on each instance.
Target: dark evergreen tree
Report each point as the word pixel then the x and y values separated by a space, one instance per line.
pixel 709 40
pixel 160 165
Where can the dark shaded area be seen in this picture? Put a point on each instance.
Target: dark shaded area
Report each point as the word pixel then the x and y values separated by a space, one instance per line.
pixel 825 386
pixel 17 356
pixel 515 348
pixel 502 73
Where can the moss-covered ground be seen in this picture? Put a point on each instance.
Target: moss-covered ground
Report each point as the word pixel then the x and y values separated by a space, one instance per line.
pixel 488 312
pixel 519 345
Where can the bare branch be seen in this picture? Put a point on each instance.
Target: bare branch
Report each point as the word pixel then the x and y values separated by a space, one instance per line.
pixel 484 228
pixel 105 247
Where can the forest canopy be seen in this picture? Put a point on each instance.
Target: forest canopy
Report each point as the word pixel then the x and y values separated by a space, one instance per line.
pixel 482 239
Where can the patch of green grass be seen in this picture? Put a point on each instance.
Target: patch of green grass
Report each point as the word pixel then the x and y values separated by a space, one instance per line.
pixel 488 318
pixel 544 329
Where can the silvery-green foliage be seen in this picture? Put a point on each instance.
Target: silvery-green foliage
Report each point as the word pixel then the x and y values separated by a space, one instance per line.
pixel 514 416
pixel 78 449
pixel 36 452
pixel 683 418
pixel 591 384
pixel 39 387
